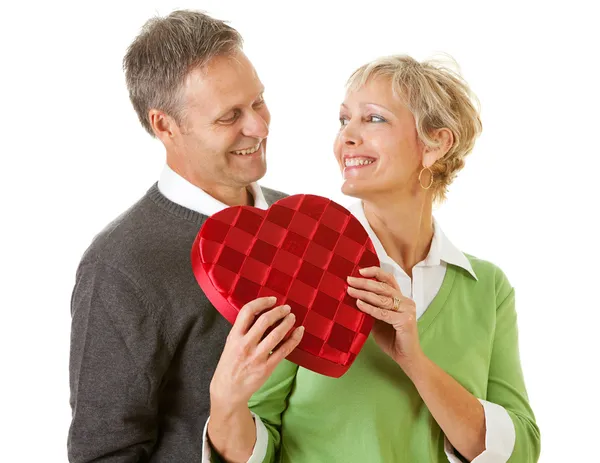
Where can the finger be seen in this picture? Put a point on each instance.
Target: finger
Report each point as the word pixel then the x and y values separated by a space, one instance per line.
pixel 377 287
pixel 248 313
pixel 286 348
pixel 264 322
pixel 379 274
pixel 276 336
pixel 377 300
pixel 387 316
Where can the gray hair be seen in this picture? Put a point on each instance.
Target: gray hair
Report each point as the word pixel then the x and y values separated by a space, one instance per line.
pixel 165 51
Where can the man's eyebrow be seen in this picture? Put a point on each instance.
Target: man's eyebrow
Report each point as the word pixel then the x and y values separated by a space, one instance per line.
pixel 231 108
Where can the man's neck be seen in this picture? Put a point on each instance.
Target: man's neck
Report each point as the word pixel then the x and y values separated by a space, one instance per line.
pixel 227 194
pixel 230 195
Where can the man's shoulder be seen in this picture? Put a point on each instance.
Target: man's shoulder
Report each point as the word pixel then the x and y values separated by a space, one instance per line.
pixel 138 237
pixel 272 195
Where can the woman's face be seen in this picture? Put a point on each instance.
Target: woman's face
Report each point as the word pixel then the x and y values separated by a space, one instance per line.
pixel 377 147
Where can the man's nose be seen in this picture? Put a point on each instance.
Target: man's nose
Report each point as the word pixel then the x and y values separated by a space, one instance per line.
pixel 255 125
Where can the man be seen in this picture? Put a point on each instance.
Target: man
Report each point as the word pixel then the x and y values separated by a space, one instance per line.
pixel 145 340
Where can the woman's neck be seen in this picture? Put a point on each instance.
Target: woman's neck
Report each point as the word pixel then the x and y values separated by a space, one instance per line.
pixel 404 227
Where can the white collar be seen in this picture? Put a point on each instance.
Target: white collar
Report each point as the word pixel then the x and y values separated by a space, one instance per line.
pixel 441 248
pixel 180 191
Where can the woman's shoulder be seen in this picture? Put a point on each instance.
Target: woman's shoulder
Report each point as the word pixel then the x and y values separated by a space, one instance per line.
pixel 490 274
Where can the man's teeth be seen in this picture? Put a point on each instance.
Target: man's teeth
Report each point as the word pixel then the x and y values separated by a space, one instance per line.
pixel 349 162
pixel 252 150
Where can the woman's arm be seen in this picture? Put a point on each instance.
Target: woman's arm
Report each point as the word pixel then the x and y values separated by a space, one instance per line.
pixel 458 413
pixel 506 386
pixel 246 363
pixel 270 403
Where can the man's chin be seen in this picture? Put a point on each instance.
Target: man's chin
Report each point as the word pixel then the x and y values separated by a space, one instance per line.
pixel 253 176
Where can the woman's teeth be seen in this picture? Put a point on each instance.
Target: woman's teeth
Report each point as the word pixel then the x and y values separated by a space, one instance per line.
pixel 350 162
pixel 252 150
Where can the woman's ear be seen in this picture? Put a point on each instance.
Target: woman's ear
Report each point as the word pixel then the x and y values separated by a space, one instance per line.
pixel 444 139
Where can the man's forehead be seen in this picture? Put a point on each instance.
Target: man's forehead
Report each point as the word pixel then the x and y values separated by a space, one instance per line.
pixel 225 81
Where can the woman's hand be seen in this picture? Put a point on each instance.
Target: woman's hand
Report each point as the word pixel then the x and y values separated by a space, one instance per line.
pixel 395 329
pixel 250 354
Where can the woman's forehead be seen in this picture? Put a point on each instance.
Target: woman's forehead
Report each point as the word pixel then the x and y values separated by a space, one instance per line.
pixel 375 91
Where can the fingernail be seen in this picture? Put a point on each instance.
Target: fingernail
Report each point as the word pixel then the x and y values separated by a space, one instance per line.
pixel 300 330
pixel 361 270
pixel 287 308
pixel 351 278
pixel 291 316
pixel 272 299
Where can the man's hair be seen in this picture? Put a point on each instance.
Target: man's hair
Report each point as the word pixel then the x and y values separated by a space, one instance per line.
pixel 165 51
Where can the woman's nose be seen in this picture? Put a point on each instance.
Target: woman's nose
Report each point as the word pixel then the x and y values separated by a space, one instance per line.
pixel 350 135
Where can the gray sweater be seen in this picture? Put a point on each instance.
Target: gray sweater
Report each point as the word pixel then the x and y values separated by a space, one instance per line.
pixel 145 340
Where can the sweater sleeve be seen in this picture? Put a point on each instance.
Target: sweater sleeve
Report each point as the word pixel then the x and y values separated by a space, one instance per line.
pixel 506 386
pixel 118 357
pixel 271 401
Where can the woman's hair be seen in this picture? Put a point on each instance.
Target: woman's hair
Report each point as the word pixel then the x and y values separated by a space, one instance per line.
pixel 438 97
pixel 165 51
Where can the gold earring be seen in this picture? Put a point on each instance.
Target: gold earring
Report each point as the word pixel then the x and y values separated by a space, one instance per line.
pixel 431 181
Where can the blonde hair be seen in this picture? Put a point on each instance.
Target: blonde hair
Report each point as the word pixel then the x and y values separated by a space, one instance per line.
pixel 166 50
pixel 438 97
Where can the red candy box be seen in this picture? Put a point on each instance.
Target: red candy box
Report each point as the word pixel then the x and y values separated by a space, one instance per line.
pixel 300 250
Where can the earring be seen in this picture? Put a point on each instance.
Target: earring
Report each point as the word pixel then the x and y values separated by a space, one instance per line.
pixel 431 176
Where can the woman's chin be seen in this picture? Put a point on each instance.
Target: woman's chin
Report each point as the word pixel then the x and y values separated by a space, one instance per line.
pixel 352 188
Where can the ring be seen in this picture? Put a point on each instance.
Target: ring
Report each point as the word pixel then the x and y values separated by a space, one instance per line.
pixel 396 307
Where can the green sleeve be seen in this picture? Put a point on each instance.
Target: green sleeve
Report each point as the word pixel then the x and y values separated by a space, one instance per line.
pixel 506 386
pixel 271 401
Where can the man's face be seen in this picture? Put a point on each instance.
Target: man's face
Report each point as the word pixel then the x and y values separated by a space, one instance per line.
pixel 222 137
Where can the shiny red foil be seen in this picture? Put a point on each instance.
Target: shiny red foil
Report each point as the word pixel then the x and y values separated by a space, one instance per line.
pixel 300 250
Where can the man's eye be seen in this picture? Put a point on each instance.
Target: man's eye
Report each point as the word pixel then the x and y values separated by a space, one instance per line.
pixel 230 119
pixel 343 121
pixel 259 103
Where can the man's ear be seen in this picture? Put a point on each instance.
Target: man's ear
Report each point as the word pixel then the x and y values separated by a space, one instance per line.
pixel 162 125
pixel 444 139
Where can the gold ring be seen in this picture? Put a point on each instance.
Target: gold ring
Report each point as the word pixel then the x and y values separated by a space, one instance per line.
pixel 396 307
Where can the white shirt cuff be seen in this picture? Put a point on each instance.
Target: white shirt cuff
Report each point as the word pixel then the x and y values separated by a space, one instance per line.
pixel 260 447
pixel 499 436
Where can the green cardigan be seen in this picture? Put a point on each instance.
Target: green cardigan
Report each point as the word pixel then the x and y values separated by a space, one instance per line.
pixel 374 414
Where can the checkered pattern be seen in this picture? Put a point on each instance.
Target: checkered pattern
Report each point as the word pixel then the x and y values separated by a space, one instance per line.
pixel 300 250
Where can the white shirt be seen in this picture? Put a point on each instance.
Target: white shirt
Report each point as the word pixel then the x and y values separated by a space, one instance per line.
pixel 180 191
pixel 428 276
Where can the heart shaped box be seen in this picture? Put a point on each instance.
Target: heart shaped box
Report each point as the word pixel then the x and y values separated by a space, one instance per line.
pixel 300 250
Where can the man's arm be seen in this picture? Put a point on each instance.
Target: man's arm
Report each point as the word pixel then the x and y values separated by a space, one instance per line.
pixel 118 357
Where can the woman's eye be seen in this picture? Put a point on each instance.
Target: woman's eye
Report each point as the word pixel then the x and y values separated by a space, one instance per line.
pixel 375 118
pixel 343 121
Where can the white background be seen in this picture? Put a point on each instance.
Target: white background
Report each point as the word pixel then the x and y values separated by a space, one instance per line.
pixel 74 156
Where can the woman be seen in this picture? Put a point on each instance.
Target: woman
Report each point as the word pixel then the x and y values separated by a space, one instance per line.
pixel 440 379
